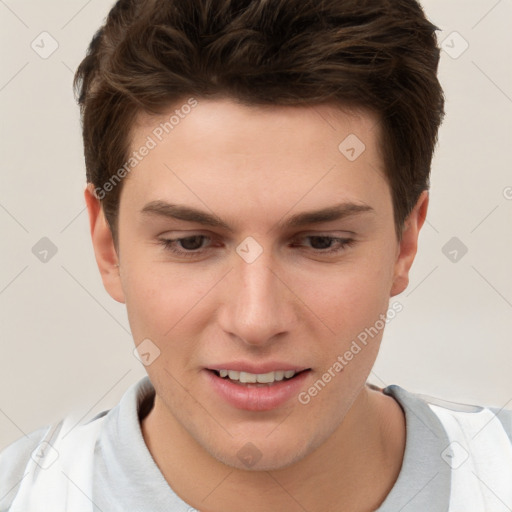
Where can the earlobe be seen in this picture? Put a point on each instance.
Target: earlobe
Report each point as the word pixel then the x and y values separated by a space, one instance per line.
pixel 103 244
pixel 409 244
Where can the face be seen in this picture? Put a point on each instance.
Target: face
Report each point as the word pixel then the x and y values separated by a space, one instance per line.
pixel 254 280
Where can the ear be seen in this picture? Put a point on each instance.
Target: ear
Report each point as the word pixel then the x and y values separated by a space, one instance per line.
pixel 103 244
pixel 409 244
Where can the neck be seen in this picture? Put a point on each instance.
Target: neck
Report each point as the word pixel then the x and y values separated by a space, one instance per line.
pixel 354 469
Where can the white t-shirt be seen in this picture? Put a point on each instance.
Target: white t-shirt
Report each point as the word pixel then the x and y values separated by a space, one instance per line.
pixel 458 458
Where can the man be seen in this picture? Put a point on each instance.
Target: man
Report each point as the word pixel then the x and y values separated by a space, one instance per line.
pixel 258 176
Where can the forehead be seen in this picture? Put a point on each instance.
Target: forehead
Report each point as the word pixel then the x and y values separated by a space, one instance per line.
pixel 220 151
pixel 253 128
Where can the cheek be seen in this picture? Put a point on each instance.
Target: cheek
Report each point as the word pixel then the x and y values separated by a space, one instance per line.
pixel 164 304
pixel 351 297
pixel 353 304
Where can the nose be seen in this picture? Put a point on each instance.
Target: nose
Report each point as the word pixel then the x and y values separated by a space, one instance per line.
pixel 258 306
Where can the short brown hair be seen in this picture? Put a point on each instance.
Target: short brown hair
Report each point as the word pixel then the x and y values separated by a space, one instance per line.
pixel 381 55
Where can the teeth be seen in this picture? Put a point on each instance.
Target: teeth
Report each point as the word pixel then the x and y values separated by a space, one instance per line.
pixel 252 378
pixel 248 377
pixel 265 378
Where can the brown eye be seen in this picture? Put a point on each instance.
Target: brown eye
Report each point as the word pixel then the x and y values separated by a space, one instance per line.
pixel 323 244
pixel 187 247
pixel 191 243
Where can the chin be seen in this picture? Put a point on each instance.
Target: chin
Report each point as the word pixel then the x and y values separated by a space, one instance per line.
pixel 269 463
pixel 263 454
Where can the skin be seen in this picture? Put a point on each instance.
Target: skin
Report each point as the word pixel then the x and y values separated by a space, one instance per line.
pixel 254 167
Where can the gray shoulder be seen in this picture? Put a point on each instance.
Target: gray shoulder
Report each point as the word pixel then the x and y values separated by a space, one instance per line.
pixel 13 461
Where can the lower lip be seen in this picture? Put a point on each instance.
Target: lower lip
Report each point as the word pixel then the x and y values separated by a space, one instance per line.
pixel 251 398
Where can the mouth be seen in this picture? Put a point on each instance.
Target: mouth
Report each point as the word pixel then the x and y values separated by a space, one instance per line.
pixel 256 391
pixel 256 380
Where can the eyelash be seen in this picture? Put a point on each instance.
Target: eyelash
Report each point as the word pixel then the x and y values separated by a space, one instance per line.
pixel 169 245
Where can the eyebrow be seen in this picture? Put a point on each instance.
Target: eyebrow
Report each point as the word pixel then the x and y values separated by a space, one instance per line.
pixel 190 214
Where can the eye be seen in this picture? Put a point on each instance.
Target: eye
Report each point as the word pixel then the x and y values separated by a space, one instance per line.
pixel 324 244
pixel 190 245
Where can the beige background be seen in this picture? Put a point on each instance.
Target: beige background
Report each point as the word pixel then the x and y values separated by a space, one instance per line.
pixel 66 345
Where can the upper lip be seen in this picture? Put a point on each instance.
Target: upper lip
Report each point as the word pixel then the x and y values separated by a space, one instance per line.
pixel 257 368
